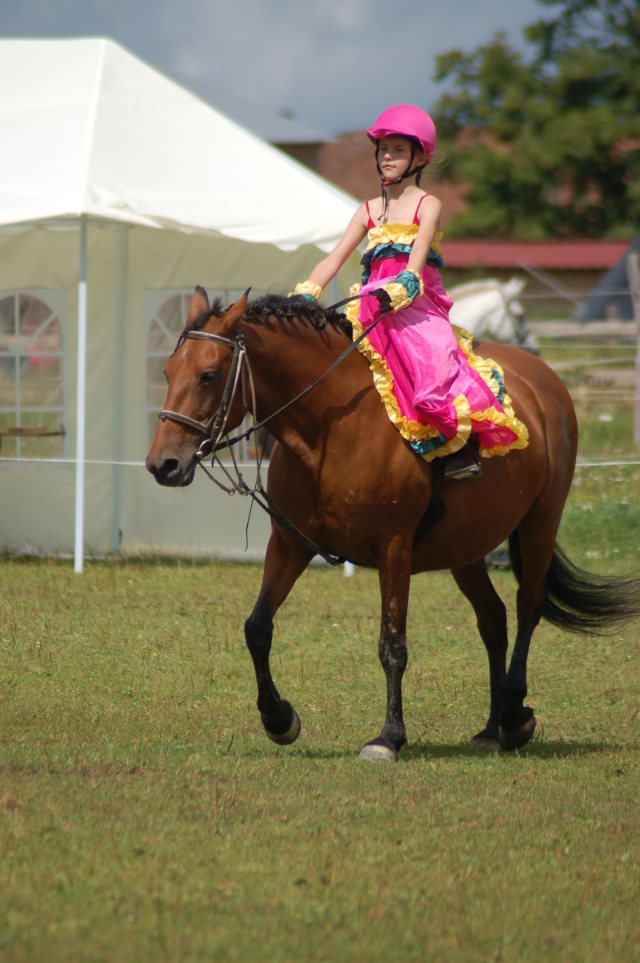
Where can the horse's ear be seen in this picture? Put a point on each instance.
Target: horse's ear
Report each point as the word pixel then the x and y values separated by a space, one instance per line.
pixel 236 312
pixel 199 304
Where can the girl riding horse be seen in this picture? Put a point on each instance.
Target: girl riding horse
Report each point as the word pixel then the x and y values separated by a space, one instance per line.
pixel 435 390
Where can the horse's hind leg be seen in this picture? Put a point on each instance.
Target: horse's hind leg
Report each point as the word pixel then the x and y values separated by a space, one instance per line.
pixel 518 721
pixel 535 541
pixel 491 616
pixel 395 579
pixel 285 561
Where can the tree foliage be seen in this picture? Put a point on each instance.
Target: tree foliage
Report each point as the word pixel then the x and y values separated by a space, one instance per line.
pixel 550 145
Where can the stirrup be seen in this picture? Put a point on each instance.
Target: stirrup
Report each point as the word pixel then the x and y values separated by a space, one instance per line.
pixel 462 464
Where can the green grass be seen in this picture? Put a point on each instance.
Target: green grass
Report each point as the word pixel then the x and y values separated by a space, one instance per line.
pixel 144 816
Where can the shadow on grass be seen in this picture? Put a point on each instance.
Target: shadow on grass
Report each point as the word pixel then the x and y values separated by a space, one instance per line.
pixel 428 751
pixel 537 749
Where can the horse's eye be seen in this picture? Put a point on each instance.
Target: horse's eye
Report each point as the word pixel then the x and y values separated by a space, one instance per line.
pixel 208 378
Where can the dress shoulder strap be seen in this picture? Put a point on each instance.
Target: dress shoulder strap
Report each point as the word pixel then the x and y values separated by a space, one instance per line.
pixel 371 222
pixel 415 216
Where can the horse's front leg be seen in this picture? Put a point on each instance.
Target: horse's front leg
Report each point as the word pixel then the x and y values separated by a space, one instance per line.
pixel 395 578
pixel 285 561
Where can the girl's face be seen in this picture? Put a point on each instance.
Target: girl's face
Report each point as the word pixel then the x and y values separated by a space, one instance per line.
pixel 394 156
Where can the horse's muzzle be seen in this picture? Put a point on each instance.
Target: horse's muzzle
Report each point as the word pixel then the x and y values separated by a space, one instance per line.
pixel 169 472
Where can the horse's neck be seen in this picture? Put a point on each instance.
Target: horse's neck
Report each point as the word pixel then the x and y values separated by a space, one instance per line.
pixel 289 363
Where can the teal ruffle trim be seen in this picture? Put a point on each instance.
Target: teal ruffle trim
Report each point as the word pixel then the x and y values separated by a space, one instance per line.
pixel 426 445
pixel 410 283
pixel 497 376
pixel 393 250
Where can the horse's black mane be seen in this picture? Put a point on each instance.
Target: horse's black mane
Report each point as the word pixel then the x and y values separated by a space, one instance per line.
pixel 286 308
pixel 278 306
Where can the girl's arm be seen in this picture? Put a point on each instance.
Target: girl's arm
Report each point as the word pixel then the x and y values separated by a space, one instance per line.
pixel 327 269
pixel 429 218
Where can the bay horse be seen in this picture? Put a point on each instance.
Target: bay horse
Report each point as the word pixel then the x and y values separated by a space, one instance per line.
pixel 342 480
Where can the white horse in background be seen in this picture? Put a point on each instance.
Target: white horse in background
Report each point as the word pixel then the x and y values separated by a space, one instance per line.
pixel 490 309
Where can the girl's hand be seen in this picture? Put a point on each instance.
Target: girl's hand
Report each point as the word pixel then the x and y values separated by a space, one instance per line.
pixel 400 292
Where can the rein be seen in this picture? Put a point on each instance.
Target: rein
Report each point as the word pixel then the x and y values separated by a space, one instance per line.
pixel 214 429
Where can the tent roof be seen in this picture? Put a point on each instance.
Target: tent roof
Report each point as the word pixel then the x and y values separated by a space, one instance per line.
pixel 87 128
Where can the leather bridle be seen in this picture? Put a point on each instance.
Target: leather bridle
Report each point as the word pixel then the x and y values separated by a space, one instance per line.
pixel 215 428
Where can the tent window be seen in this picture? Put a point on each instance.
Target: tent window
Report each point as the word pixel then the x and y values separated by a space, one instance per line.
pixel 32 375
pixel 166 313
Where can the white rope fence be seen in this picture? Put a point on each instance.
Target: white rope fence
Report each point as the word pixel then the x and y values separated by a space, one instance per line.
pixel 72 461
pixel 621 462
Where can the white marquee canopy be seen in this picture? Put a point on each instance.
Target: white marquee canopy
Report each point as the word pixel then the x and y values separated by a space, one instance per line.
pixel 87 128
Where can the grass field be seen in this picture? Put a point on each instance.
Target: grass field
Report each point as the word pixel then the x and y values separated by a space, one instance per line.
pixel 145 817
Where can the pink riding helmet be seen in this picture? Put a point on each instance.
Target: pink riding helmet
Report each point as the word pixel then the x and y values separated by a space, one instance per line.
pixel 405 120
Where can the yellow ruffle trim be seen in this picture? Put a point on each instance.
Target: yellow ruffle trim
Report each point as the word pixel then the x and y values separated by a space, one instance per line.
pixel 400 234
pixel 487 368
pixel 413 430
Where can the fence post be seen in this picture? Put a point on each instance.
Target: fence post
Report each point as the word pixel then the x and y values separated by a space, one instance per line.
pixel 633 274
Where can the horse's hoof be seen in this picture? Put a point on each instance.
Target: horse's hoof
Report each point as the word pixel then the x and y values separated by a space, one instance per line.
pixel 378 751
pixel 511 739
pixel 484 743
pixel 286 736
pixel 488 740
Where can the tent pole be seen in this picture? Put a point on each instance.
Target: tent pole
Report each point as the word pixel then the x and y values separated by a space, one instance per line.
pixel 80 403
pixel 119 386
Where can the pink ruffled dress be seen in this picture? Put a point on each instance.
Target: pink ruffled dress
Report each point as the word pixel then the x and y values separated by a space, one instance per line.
pixel 435 390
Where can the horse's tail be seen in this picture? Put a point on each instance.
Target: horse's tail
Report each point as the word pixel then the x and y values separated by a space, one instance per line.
pixel 580 601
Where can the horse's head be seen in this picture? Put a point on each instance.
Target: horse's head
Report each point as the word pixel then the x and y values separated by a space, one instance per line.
pixel 197 373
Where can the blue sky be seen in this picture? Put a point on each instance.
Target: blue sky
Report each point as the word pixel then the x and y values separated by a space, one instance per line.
pixel 335 64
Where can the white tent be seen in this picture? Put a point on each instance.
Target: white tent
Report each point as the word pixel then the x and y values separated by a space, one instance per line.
pixel 119 192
